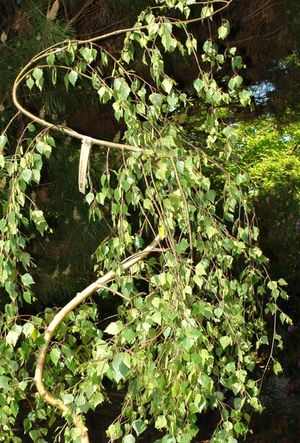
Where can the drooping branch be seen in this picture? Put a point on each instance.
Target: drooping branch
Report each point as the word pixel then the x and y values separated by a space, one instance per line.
pixel 60 316
pixel 60 128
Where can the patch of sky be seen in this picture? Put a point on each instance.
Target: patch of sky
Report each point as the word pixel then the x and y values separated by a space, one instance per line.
pixel 261 90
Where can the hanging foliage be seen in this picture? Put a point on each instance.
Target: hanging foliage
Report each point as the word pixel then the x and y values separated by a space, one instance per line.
pixel 190 333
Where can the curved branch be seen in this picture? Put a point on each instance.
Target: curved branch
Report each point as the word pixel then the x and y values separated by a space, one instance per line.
pixel 59 317
pixel 58 48
pixel 94 141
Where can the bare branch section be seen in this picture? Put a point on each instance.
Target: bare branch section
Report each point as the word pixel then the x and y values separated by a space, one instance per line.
pixel 59 317
pixel 75 17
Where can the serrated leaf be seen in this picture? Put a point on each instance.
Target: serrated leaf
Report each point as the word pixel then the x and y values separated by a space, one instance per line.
pixel 13 335
pixel 50 59
pixel 27 280
pixel 73 76
pixel 114 431
pixel 27 329
pixel 224 30
pixel 225 341
pixel 4 382
pixel 3 141
pixel 30 82
pixel 88 54
pixel 128 439
pixel 235 82
pixel 161 422
pixel 89 198
pixel 37 74
pixel 114 328
pixel 55 355
pixel 277 368
pixel 68 398
pixel 167 85
pixel 26 175
pixel 200 269
pixel 139 426
pixel 207 11
pixel 198 84
pixel 121 366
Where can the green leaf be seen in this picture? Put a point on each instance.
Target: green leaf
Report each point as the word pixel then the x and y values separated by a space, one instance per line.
pixel 200 269
pixel 128 439
pixel 139 426
pixel 277 368
pixel 68 399
pixel 114 431
pixel 121 366
pixel 198 85
pixel 44 148
pixel 50 59
pixel 27 296
pixel 223 31
pixel 4 382
pixel 27 280
pixel 237 62
pixel 114 328
pixel 13 335
pixel 167 85
pixel 3 141
pixel 26 175
pixel 225 341
pixel 31 127
pixel 54 76
pixel 73 76
pixel 207 11
pixel 245 97
pixel 88 54
pixel 66 82
pixel 30 82
pixel 37 74
pixel 211 231
pixel 156 99
pixel 95 81
pixel 161 422
pixel 55 355
pixel 235 82
pixel 28 329
pixel 2 224
pixel 90 197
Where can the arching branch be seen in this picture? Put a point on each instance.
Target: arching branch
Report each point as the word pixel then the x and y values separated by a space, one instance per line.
pixel 60 316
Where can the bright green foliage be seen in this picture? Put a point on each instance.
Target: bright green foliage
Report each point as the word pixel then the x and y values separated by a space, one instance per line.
pixel 188 334
pixel 270 153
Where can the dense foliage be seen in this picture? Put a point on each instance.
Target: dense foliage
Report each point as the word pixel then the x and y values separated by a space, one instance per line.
pixel 191 329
